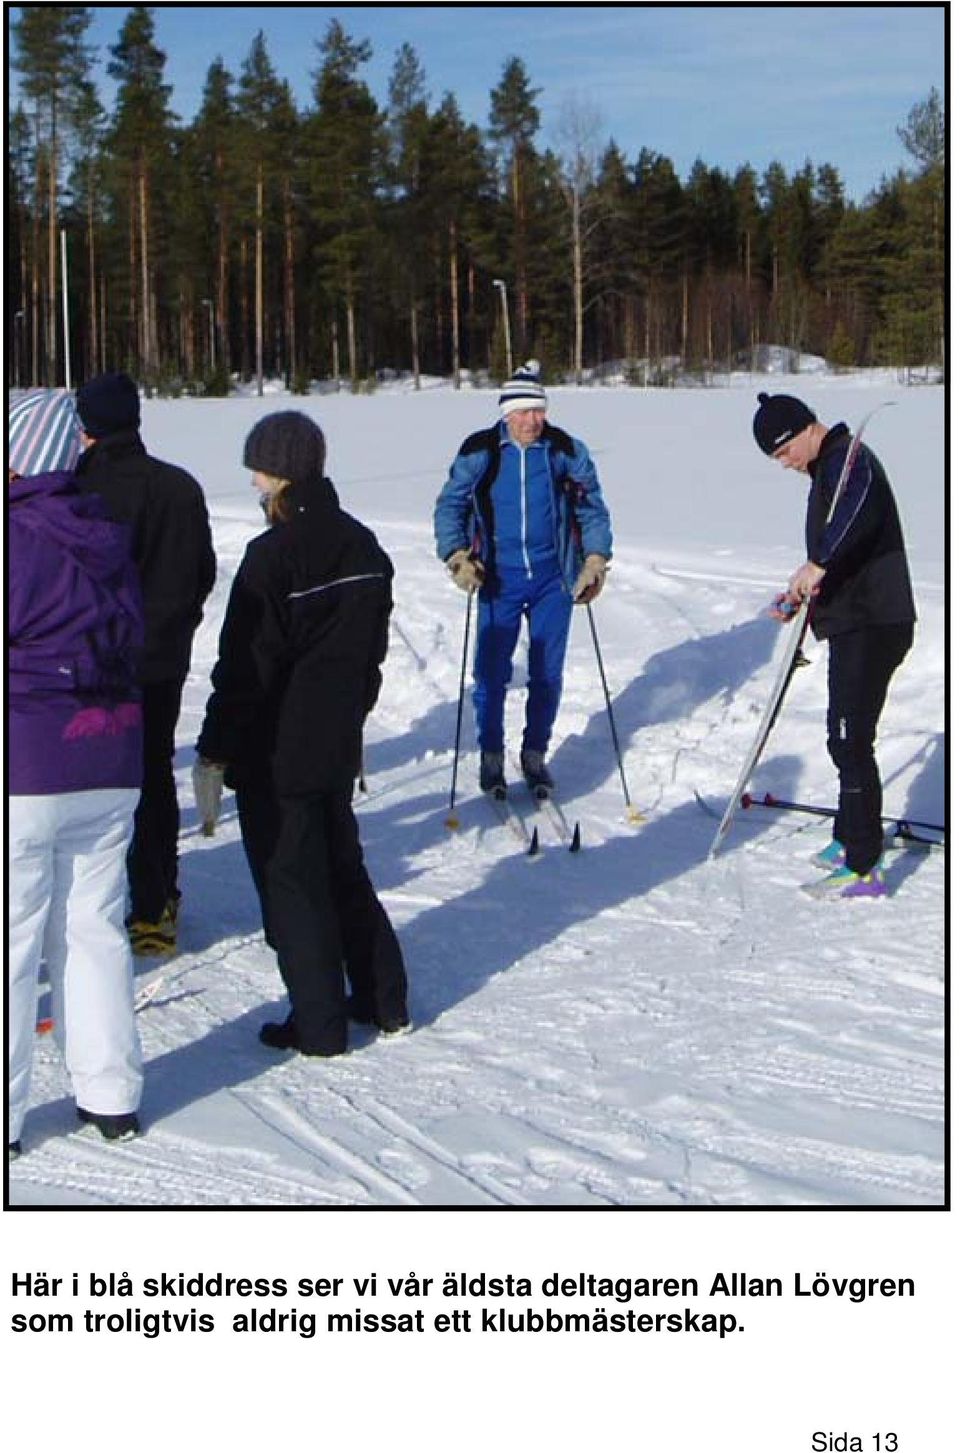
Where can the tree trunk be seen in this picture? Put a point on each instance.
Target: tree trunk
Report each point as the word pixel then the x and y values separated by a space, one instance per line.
pixel 103 324
pixel 93 344
pixel 415 345
pixel 289 288
pixel 148 361
pixel 577 290
pixel 133 334
pixel 454 306
pixel 35 302
pixel 352 342
pixel 258 302
pixel 51 369
pixel 685 317
pixel 244 314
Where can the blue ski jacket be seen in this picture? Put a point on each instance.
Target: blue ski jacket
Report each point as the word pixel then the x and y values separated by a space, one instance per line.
pixel 520 508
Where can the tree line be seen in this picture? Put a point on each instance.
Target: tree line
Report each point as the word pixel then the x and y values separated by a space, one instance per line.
pixel 345 239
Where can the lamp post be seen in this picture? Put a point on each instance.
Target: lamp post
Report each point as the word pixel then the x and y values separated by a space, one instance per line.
pixel 213 353
pixel 501 286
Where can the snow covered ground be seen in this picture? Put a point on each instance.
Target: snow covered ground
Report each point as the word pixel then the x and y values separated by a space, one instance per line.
pixel 637 1025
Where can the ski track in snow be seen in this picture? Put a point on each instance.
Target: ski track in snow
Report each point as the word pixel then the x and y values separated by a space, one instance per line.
pixel 633 1025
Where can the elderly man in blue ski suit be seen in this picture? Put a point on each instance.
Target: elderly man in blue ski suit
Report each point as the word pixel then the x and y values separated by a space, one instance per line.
pixel 522 520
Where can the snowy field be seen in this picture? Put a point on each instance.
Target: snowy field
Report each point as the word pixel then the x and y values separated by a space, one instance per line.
pixel 637 1025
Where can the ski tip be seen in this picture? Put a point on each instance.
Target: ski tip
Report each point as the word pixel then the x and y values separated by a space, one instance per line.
pixel 534 847
pixel 747 801
pixel 575 840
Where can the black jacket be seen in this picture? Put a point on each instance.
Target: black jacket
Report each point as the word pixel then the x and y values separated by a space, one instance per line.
pixel 867 580
pixel 172 546
pixel 300 651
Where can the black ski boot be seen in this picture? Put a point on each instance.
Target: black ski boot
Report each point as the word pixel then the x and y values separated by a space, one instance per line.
pixel 111 1127
pixel 535 773
pixel 491 774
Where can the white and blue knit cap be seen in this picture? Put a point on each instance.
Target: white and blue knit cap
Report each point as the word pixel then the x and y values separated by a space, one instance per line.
pixel 524 390
pixel 43 432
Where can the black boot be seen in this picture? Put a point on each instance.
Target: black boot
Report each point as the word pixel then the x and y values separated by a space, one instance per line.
pixel 111 1127
pixel 285 1036
pixel 491 773
pixel 535 773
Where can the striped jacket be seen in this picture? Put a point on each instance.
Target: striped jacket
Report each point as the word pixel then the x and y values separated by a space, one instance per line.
pixel 301 647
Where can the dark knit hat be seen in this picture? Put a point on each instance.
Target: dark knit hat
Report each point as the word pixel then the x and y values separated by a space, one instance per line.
pixel 779 419
pixel 524 390
pixel 287 445
pixel 108 404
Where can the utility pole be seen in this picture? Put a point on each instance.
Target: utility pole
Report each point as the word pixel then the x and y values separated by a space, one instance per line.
pixel 499 283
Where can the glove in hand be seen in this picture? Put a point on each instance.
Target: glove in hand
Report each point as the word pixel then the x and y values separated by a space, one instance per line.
pixel 208 790
pixel 467 572
pixel 590 580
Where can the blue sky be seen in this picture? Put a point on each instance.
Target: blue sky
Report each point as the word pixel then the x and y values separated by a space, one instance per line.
pixel 728 83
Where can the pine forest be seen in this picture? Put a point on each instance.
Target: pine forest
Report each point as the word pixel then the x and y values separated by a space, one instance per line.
pixel 347 242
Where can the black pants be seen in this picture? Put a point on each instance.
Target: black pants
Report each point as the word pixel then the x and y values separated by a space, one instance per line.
pixel 152 859
pixel 861 665
pixel 320 912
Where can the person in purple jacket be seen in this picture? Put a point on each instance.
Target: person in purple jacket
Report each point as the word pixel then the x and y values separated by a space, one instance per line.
pixel 74 759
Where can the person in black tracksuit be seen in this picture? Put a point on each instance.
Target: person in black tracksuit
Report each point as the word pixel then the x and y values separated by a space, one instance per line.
pixel 856 571
pixel 173 551
pixel 298 671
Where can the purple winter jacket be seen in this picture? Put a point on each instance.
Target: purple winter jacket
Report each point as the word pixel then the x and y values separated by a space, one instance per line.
pixel 75 624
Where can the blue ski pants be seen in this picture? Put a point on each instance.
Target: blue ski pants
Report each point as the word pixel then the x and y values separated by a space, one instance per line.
pixel 546 603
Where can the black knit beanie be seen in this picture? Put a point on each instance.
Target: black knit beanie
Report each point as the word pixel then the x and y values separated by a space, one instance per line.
pixel 288 445
pixel 780 418
pixel 108 404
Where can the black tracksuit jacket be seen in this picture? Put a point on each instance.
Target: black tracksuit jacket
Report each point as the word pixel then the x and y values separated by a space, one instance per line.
pixel 867 581
pixel 172 545
pixel 302 643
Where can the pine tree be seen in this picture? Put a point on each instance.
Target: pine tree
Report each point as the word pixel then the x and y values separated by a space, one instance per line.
pixel 54 64
pixel 464 200
pixel 514 122
pixel 268 119
pixel 408 133
pixel 218 161
pixel 140 144
pixel 87 191
pixel 346 148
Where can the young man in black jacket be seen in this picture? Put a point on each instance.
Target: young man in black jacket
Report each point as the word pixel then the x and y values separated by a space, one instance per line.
pixel 857 576
pixel 298 671
pixel 173 550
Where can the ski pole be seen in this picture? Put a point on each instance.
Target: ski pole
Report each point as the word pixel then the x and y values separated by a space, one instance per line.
pixel 452 820
pixel 633 813
pixel 768 800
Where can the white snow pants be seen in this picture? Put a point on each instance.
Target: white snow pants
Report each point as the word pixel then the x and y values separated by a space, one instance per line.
pixel 66 886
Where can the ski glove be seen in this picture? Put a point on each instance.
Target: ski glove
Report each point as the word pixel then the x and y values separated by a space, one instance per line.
pixel 467 572
pixel 208 790
pixel 590 580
